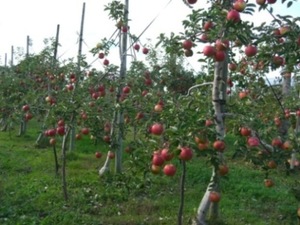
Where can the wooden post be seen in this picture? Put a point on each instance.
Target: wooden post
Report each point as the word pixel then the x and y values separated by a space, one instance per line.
pixel 123 68
pixel 27 46
pixel 12 56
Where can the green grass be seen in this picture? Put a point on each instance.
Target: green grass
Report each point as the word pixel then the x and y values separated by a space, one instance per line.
pixel 30 193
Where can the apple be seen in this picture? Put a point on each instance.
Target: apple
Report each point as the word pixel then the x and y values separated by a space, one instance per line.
pixel 186 153
pixel 188 52
pixel 187 44
pixel 145 50
pixel 157 129
pixel 269 182
pixel 245 131
pixel 85 131
pixel 98 155
pixel 105 62
pixel 277 121
pixel 191 1
pixel 155 169
pixel 158 108
pixel 28 116
pixel 203 146
pixel 250 50
pixel 166 154
pixel 208 25
pixel 78 137
pixel 271 1
pixel 284 29
pixel 223 170
pixel 70 87
pixel 148 81
pixel 287 145
pixel 126 89
pixel 232 66
pixel 136 47
pixel 60 130
pixel 214 196
pixel 124 28
pixel 204 38
pixel 260 2
pixel 278 60
pixel 233 16
pixel 52 141
pixel 229 83
pixel 169 170
pixel 239 5
pixel 61 123
pixel 111 155
pixel 219 145
pixel 243 94
pixel 51 132
pixel 220 56
pixel 25 108
pixel 221 45
pixel 157 159
pixel 253 141
pixel 298 112
pixel 209 50
pixel 139 116
pixel 276 142
pixel 101 55
pixel 208 123
pixel 272 164
pixel 106 138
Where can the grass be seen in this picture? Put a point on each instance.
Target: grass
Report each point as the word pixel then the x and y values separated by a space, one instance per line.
pixel 30 193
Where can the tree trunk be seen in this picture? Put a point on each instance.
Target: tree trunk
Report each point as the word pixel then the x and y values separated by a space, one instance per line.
pixel 219 100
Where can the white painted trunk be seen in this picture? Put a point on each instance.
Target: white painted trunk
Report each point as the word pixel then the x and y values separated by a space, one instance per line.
pixel 105 168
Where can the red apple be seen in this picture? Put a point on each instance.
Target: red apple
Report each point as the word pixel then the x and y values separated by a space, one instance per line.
pixel 187 44
pixel 111 155
pixel 145 50
pixel 219 145
pixel 214 196
pixel 157 159
pixel 52 141
pixel 208 25
pixel 260 2
pixel 60 130
pixel 101 55
pixel 169 170
pixel 250 50
pixel 220 56
pixel 245 131
pixel 223 170
pixel 269 182
pixel 25 108
pixel 158 108
pixel 98 155
pixel 209 50
pixel 166 154
pixel 157 129
pixel 221 45
pixel 126 89
pixel 136 47
pixel 186 153
pixel 276 142
pixel 208 123
pixel 105 62
pixel 253 141
pixel 239 5
pixel 233 16
pixel 155 169
pixel 85 131
pixel 28 116
pixel 191 1
pixel 271 1
pixel 278 60
pixel 232 66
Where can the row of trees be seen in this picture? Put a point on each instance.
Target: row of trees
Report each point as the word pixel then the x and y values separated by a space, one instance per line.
pixel 158 108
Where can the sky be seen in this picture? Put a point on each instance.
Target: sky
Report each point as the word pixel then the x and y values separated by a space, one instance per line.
pixel 38 19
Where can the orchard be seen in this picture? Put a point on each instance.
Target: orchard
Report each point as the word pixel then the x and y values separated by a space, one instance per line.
pixel 219 144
